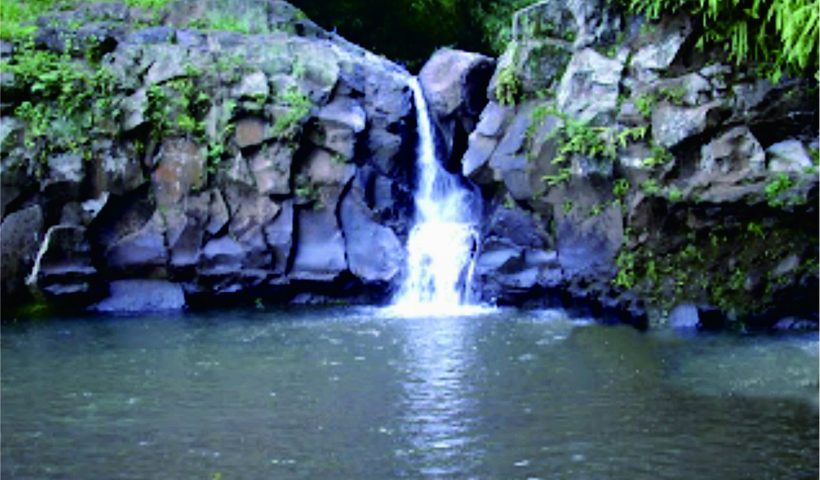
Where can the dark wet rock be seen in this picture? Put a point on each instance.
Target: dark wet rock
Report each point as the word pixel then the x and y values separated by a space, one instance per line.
pixel 20 235
pixel 320 246
pixel 63 266
pixel 794 324
pixel 587 247
pixel 671 124
pixel 134 296
pixel 141 250
pixel 374 253
pixel 728 168
pixel 279 237
pixel 65 173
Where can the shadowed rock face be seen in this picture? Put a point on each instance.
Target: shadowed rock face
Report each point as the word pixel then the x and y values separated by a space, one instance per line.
pixel 227 171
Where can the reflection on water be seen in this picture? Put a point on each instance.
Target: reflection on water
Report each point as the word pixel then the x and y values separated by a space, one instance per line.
pixel 352 393
pixel 440 400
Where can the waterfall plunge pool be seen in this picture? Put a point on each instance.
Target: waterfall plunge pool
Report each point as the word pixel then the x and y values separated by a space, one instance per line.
pixel 358 393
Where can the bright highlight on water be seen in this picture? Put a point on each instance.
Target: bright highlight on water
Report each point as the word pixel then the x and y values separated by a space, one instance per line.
pixel 441 245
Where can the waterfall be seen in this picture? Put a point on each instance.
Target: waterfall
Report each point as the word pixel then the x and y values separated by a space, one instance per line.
pixel 442 242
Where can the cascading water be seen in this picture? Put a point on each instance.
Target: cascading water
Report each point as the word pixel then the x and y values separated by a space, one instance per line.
pixel 442 242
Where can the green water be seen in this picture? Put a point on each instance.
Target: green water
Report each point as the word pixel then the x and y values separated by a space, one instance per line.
pixel 352 394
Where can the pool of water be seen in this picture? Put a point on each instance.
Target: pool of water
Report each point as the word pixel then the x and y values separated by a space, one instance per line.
pixel 356 393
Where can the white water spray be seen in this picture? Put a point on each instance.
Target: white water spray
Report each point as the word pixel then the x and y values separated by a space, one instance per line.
pixel 441 244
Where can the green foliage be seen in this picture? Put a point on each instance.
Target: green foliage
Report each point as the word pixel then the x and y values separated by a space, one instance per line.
pixel 781 34
pixel 222 21
pixel 508 88
pixel 562 176
pixel 777 189
pixel 17 17
pixel 68 101
pixel 567 206
pixel 631 134
pixel 299 106
pixel 177 108
pixel 224 129
pixel 596 210
pixel 625 261
pixel 674 194
pixel 651 187
pixel 620 187
pixel 645 103
pixel 658 156
pixel 755 229
pixel 673 95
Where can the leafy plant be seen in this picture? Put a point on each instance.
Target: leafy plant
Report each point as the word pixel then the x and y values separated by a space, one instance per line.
pixel 625 261
pixel 776 189
pixel 651 187
pixel 658 156
pixel 674 194
pixel 645 103
pixel 299 106
pixel 620 187
pixel 508 88
pixel 780 34
pixel 68 101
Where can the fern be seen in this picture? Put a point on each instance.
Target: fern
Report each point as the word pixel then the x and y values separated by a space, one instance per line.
pixel 780 34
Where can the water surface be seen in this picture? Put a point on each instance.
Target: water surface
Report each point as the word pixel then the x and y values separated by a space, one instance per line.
pixel 351 393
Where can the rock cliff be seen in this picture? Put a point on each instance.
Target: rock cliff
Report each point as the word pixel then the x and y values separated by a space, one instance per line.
pixel 628 171
pixel 198 164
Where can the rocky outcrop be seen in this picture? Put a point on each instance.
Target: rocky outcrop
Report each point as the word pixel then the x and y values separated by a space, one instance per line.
pixel 455 83
pixel 274 161
pixel 644 167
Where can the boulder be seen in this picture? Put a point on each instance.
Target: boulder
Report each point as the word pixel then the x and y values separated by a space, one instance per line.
pixel 135 296
pixel 513 259
pixel 789 156
pixel 660 48
pixel 454 81
pixel 320 246
pixel 270 168
pixel 251 131
pixel 65 174
pixel 338 125
pixel 249 214
pixel 483 142
pixel 140 250
pixel 374 253
pixel 20 236
pixel 589 88
pixel 279 237
pixel 133 109
pixel 587 246
pixel 684 317
pixel 253 85
pixel 728 168
pixel 672 124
